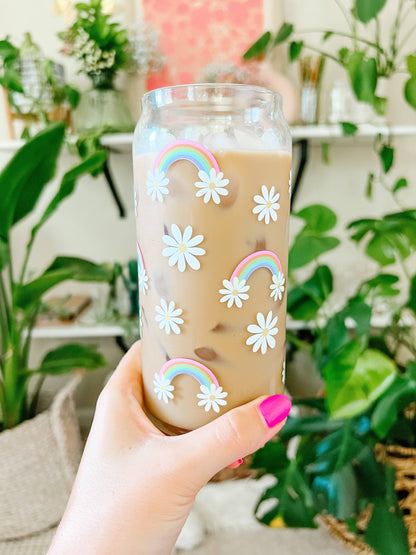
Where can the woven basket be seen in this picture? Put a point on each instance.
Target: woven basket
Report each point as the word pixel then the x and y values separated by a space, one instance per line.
pixel 38 462
pixel 404 461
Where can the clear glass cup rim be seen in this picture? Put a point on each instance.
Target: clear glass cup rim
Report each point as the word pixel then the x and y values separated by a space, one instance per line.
pixel 164 96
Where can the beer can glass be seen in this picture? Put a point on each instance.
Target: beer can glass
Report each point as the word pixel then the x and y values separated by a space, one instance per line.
pixel 212 193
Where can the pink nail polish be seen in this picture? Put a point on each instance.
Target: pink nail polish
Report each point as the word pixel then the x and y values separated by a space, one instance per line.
pixel 235 464
pixel 274 409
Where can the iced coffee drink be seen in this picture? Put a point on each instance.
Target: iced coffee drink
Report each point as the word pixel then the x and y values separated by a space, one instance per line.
pixel 212 247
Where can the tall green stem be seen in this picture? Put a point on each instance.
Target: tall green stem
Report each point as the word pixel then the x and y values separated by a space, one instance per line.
pixel 344 13
pixel 341 34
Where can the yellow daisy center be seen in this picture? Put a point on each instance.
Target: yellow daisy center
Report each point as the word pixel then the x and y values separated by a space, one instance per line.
pixel 234 292
pixel 211 185
pixel 156 185
pixel 182 248
pixel 268 204
pixel 265 332
pixel 168 317
pixel 212 397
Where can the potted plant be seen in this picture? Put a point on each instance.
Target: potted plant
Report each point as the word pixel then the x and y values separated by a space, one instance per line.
pixel 102 49
pixel 38 452
pixel 352 439
pixel 35 86
pixel 367 61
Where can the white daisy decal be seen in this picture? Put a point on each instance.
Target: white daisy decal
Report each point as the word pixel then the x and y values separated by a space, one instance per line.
pixel 212 397
pixel 267 204
pixel 211 186
pixel 262 334
pixel 163 388
pixel 182 249
pixel 284 372
pixel 169 317
pixel 277 287
pixel 143 281
pixel 156 185
pixel 234 292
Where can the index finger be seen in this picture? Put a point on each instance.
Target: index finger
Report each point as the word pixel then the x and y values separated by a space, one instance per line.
pixel 127 377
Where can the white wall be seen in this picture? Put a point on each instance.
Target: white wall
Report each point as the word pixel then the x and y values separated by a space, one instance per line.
pixel 88 225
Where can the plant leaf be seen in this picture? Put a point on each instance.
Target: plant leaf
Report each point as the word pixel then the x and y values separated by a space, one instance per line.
pixel 259 47
pixel 411 64
pixel 67 186
pixel 81 269
pixel 295 506
pixel 283 33
pixel 354 380
pixel 325 152
pixel 271 458
pixel 308 248
pixel 367 10
pixel 348 128
pixel 295 50
pixel 67 357
pixel 412 296
pixel 72 94
pixel 400 184
pixel 327 35
pixel 306 299
pixel 318 218
pixel 410 92
pixel 363 76
pixel 31 292
pixel 305 425
pixel 24 177
pixel 399 395
pixel 386 156
pixel 4 253
pixel 369 187
pixel 386 532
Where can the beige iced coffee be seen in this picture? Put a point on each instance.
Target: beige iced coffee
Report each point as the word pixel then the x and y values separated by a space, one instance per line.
pixel 212 245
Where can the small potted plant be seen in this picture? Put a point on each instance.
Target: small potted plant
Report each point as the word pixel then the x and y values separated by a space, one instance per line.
pixel 35 87
pixel 102 49
pixel 39 453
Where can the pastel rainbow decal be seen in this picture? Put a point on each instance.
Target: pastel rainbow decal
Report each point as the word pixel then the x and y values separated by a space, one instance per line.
pixel 236 288
pixel 211 395
pixel 142 274
pixel 255 261
pixel 194 152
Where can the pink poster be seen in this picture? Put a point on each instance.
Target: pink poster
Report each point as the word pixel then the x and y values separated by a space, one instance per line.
pixel 195 33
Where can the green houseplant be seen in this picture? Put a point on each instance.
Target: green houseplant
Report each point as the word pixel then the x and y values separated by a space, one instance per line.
pixel 39 451
pixel 35 90
pixel 369 378
pixel 21 183
pixel 102 49
pixel 367 56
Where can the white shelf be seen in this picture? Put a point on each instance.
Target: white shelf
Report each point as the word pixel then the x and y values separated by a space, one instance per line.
pixel 83 331
pixel 123 141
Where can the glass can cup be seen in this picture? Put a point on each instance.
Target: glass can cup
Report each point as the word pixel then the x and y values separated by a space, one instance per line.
pixel 212 195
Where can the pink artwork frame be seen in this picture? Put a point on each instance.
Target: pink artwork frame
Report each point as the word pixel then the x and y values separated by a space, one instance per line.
pixel 195 33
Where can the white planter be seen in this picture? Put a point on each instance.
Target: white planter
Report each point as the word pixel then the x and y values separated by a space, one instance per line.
pixel 38 462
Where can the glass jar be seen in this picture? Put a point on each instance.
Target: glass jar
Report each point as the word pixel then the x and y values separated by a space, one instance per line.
pixel 212 185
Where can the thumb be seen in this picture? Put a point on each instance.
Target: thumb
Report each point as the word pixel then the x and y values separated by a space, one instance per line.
pixel 234 435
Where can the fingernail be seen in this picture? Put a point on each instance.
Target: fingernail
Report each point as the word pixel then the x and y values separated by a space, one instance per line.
pixel 235 464
pixel 274 409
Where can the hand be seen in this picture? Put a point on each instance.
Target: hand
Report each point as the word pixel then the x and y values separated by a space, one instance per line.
pixel 135 486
